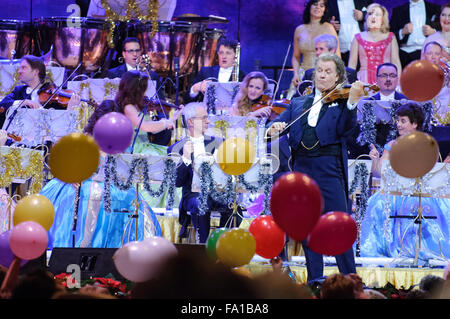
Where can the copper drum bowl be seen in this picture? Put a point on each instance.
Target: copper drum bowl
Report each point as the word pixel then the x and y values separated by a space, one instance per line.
pixel 15 38
pixel 173 40
pixel 74 40
pixel 208 56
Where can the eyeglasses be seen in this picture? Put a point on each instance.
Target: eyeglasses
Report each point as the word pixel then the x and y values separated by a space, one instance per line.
pixel 133 51
pixel 384 75
pixel 201 117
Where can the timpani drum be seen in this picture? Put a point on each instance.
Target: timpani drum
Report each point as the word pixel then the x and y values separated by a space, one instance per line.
pixel 208 56
pixel 74 41
pixel 15 38
pixel 173 40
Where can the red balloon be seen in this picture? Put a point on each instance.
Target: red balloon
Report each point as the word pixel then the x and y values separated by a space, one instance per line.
pixel 268 235
pixel 296 204
pixel 334 234
pixel 421 80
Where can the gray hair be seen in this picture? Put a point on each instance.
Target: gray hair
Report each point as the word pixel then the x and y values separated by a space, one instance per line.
pixel 340 66
pixel 329 39
pixel 190 109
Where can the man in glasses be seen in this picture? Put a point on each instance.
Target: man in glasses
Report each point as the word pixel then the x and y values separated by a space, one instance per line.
pixel 387 81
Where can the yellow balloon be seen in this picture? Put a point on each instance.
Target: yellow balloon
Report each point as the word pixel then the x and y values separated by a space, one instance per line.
pixel 36 208
pixel 413 155
pixel 235 155
pixel 236 247
pixel 74 158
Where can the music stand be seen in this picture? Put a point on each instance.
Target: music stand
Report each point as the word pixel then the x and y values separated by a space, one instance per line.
pixel 420 188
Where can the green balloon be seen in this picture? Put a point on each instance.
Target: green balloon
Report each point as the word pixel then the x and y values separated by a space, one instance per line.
pixel 212 241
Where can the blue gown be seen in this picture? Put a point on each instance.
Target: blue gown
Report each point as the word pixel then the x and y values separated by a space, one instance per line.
pixel 95 227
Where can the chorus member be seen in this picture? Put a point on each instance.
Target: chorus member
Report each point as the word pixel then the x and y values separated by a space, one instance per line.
pixel 223 72
pixel 347 17
pixel 250 94
pixel 374 46
pixel 318 146
pixel 411 23
pixel 442 36
pixel 315 22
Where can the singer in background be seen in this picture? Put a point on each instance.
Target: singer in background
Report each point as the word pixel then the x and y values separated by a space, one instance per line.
pixel 32 73
pixel 318 146
pixel 193 146
pixel 219 73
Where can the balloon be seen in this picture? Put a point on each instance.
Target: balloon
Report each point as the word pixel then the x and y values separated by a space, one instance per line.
pixel 414 154
pixel 235 155
pixel 257 207
pixel 74 158
pixel 236 247
pixel 296 204
pixel 139 261
pixel 268 236
pixel 421 80
pixel 37 208
pixel 28 240
pixel 334 234
pixel 212 242
pixel 113 132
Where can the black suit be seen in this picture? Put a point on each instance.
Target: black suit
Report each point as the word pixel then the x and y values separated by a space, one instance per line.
pixel 401 16
pixel 206 72
pixel 163 137
pixel 189 200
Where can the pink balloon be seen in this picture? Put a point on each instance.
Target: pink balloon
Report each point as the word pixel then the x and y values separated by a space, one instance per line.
pixel 139 261
pixel 28 240
pixel 113 133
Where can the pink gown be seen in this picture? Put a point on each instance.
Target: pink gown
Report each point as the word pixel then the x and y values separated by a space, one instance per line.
pixel 372 54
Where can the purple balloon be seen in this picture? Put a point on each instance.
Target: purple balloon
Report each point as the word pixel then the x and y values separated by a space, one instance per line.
pixel 6 254
pixel 113 132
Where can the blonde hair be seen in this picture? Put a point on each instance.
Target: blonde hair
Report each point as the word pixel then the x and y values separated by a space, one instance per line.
pixel 244 105
pixel 385 20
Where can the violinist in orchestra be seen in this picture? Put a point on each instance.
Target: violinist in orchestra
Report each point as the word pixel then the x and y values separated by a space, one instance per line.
pixel 318 144
pixel 223 72
pixel 32 72
pixel 250 95
pixel 132 56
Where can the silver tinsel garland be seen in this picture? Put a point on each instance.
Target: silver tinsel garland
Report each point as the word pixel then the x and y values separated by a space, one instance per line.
pixel 111 178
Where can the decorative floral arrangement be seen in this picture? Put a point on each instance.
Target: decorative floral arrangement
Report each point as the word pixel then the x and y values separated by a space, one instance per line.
pixel 115 287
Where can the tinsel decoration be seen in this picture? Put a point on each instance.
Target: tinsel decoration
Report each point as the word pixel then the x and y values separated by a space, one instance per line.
pixel 136 165
pixel 211 99
pixel 221 127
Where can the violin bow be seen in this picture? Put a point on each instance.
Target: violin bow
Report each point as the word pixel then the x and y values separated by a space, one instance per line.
pixel 281 74
pixel 337 87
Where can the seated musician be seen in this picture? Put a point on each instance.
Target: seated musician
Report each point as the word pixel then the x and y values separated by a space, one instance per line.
pixel 384 236
pixel 250 94
pixel 387 81
pixel 193 146
pixel 221 73
pixel 32 72
pixel 131 54
pixel 324 43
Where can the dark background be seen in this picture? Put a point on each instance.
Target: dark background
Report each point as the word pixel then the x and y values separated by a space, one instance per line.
pixel 266 26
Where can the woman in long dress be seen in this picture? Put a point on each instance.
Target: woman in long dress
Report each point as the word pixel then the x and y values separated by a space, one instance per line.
pixel 94 227
pixel 374 46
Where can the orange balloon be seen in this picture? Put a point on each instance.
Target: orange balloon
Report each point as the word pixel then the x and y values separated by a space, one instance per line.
pixel 421 80
pixel 413 155
pixel 235 155
pixel 74 158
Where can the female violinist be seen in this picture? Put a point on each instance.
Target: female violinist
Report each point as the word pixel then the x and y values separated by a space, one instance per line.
pixel 252 94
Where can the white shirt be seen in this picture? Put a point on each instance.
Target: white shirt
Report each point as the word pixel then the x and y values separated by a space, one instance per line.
pixel 418 18
pixel 389 97
pixel 349 26
pixel 130 68
pixel 224 76
pixel 199 148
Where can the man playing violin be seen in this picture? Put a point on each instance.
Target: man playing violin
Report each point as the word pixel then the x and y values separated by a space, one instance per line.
pixel 318 145
pixel 32 72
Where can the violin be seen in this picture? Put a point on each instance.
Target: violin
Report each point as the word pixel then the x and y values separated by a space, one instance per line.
pixel 159 106
pixel 15 137
pixel 277 106
pixel 344 92
pixel 62 97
